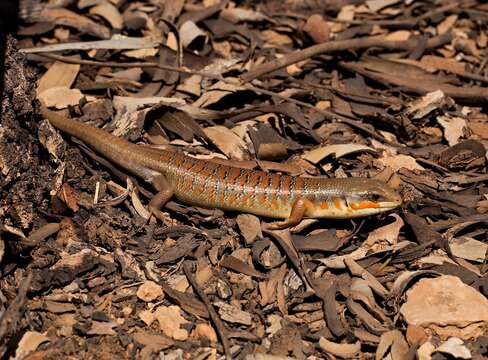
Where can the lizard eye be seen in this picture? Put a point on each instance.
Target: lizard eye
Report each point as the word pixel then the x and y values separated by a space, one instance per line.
pixel 375 197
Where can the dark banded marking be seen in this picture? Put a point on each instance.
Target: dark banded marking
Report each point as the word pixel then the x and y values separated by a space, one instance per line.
pixel 230 180
pixel 208 177
pixel 273 189
pixel 178 159
pixel 240 188
pixel 253 181
pixel 263 189
pixel 285 189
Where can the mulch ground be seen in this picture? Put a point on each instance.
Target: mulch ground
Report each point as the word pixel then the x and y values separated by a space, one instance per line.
pixel 394 90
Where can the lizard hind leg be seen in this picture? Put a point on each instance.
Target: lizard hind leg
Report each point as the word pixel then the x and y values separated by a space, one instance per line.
pixel 164 194
pixel 298 211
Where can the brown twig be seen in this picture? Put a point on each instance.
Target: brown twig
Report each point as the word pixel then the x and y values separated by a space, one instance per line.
pixel 142 64
pixel 340 45
pixel 219 326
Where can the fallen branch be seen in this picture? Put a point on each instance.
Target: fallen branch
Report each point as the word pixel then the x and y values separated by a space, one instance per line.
pixel 341 45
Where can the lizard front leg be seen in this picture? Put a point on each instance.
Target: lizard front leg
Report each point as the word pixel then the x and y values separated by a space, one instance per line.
pixel 298 211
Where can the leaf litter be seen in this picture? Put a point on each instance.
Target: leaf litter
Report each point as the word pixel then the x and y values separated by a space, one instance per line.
pixel 379 88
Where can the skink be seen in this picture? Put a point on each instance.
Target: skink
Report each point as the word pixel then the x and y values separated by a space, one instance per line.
pixel 212 185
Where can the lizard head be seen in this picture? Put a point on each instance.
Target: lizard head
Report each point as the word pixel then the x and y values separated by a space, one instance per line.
pixel 355 197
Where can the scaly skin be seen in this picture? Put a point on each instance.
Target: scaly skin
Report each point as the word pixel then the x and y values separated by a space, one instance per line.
pixel 209 184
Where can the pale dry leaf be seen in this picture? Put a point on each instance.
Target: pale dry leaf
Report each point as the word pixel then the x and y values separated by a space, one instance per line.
pixel 203 330
pixel 102 328
pixel 227 142
pixel 58 75
pixel 30 342
pixel 339 150
pixel 147 317
pixel 141 53
pixel 468 248
pixel 343 350
pixel 273 39
pixel 60 97
pixel 426 104
pixel 444 301
pixel 400 35
pixel 454 346
pixel 170 321
pixel 69 18
pixel 236 15
pixel 250 227
pixel 454 128
pixel 425 351
pixel 346 13
pixel 191 85
pixel 446 24
pixel 275 324
pixel 441 63
pixel 388 233
pixel 377 5
pixel 157 342
pixel 479 129
pixel 149 291
pixel 233 314
pixel 117 42
pixel 396 162
pixel 393 341
pixel 215 93
pixel 110 13
pixel 172 41
pixel 190 32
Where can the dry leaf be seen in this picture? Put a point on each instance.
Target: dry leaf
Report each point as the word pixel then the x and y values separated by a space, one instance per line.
pixel 441 63
pixel 339 150
pixel 117 42
pixel 170 321
pixel 455 347
pixel 232 314
pixel 343 350
pixel 250 227
pixel 69 18
pixel 377 5
pixel 190 33
pixel 479 129
pixel 237 14
pixel 346 13
pixel 453 128
pixel 445 301
pixel 388 233
pixel 203 330
pixel 191 85
pixel 469 248
pixel 397 162
pixel 227 142
pixel 102 328
pixel 394 342
pixel 446 24
pixel 110 13
pixel 274 39
pixel 400 35
pixel 58 75
pixel 30 342
pixel 60 97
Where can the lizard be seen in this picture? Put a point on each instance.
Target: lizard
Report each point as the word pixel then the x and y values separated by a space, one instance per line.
pixel 213 185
